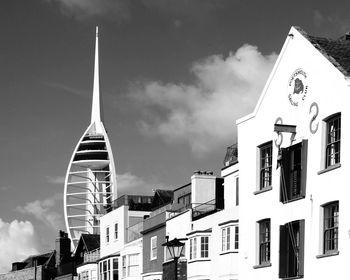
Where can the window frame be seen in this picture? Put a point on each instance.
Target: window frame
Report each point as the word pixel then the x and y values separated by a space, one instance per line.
pixel 116 233
pixel 292 234
pixel 199 247
pixel 107 235
pixel 329 144
pixel 153 248
pixel 290 169
pixel 265 152
pixel 264 241
pixel 326 208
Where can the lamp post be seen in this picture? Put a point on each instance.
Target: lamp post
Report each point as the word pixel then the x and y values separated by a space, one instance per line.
pixel 175 248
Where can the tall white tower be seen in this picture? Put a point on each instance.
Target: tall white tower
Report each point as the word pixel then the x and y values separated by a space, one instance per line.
pixel 90 186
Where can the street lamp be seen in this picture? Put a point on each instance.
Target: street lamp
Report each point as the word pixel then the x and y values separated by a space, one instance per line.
pixel 175 248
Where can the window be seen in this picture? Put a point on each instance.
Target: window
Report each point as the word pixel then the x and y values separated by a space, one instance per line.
pixel 107 235
pixel 265 165
pixel 84 275
pixel 204 247
pixel 226 232
pixel 333 140
pixel 133 266
pixel 199 247
pixel 264 241
pixel 330 227
pixel 115 269
pixel 293 172
pixel 185 199
pixel 236 237
pixel 130 265
pixel 193 248
pixel 291 259
pixel 229 238
pixel 153 247
pixel 115 231
pixel 123 266
pixel 105 269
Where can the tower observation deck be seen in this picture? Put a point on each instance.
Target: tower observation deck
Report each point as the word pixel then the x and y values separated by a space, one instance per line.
pixel 90 185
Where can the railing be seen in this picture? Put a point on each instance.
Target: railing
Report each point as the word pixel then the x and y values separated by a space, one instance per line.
pixel 173 213
pixel 204 208
pixel 231 156
pixel 134 232
pixel 135 202
pixel 92 256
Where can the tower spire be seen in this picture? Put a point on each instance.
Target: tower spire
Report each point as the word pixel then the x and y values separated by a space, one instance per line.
pixel 96 99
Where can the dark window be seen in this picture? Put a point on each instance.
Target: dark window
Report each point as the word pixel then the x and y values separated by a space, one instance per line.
pixel 264 241
pixel 185 199
pixel 333 140
pixel 293 172
pixel 291 259
pixel 115 269
pixel 330 227
pixel 265 165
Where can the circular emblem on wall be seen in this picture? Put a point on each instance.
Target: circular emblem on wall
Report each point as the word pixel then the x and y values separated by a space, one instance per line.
pixel 297 87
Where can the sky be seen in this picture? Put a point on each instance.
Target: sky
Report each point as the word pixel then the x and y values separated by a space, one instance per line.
pixel 174 76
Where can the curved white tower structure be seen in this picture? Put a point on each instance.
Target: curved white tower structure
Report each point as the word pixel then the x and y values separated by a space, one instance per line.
pixel 90 186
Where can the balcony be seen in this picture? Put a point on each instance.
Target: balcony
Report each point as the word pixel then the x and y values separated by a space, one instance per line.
pixel 207 208
pixel 135 202
pixel 231 156
pixel 134 232
pixel 92 256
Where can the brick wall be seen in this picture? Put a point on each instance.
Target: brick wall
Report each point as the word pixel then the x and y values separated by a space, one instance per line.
pixel 24 274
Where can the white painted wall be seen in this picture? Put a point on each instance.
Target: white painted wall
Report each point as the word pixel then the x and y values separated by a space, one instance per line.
pixel 327 87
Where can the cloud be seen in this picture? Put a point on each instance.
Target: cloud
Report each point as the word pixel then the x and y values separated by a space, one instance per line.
pixel 117 10
pixel 131 184
pixel 44 211
pixel 203 113
pixel 17 241
pixel 5 188
pixel 59 180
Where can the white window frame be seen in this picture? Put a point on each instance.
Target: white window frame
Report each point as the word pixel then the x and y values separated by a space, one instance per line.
pixel 229 242
pixel 198 248
pixel 153 248
pixel 127 265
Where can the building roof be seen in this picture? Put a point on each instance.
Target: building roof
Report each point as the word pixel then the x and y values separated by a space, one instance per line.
pixel 91 241
pixel 337 51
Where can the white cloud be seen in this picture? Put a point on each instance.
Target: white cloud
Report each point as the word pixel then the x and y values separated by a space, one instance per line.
pixel 59 180
pixel 203 113
pixel 131 184
pixel 17 241
pixel 44 211
pixel 82 9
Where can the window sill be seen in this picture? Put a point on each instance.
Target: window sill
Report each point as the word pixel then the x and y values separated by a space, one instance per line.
pixel 228 252
pixel 294 199
pixel 293 277
pixel 330 254
pixel 329 168
pixel 199 260
pixel 262 265
pixel 263 190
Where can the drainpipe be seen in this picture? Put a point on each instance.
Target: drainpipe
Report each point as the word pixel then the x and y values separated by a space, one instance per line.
pixel 35 268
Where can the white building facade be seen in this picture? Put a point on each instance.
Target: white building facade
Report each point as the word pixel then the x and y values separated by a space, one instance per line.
pixel 294 202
